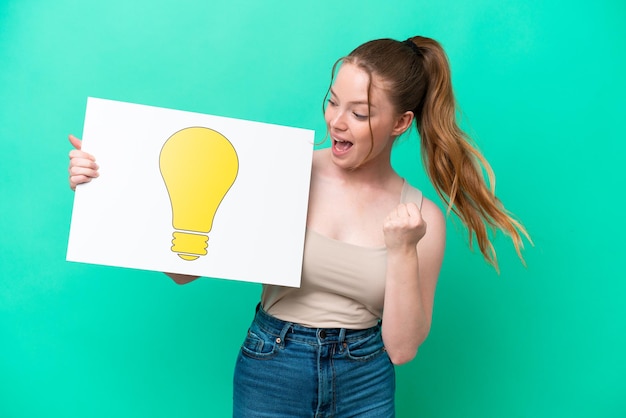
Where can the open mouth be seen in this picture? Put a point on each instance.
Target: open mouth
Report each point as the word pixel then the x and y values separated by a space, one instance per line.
pixel 341 145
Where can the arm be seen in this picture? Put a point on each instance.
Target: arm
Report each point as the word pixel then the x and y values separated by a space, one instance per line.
pixel 415 245
pixel 182 278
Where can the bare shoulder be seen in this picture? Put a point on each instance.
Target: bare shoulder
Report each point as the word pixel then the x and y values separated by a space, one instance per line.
pixel 435 238
pixel 431 247
pixel 432 214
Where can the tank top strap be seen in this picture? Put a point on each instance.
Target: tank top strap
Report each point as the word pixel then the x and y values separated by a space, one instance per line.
pixel 411 194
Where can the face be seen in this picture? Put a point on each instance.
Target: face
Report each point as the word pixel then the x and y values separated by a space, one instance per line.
pixel 348 119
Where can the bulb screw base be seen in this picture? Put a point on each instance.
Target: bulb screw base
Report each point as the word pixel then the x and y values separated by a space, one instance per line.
pixel 189 246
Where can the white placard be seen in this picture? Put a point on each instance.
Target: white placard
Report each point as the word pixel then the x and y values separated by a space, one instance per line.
pixel 162 173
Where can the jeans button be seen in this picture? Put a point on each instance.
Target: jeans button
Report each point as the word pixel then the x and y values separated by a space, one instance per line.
pixel 322 334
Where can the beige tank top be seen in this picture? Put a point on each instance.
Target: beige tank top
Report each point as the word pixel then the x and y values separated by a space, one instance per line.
pixel 342 286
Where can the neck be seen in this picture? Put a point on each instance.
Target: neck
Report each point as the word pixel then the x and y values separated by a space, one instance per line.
pixel 377 173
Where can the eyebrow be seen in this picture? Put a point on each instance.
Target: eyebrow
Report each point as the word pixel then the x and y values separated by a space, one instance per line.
pixel 358 102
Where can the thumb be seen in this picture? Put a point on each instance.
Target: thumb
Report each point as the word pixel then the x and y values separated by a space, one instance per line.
pixel 76 143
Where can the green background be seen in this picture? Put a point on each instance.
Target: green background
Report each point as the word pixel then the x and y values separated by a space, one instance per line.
pixel 541 86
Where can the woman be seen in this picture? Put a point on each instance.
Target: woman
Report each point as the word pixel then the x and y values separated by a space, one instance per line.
pixel 328 348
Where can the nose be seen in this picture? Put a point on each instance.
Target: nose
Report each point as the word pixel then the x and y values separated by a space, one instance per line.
pixel 337 120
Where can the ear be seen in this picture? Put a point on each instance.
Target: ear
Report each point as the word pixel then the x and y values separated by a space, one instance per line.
pixel 403 122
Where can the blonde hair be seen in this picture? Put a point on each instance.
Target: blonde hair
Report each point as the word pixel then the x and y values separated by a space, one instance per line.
pixel 418 79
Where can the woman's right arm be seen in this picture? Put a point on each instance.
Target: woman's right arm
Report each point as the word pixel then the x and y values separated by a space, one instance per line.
pixel 83 169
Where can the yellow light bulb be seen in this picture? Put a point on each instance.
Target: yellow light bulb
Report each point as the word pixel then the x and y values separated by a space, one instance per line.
pixel 198 165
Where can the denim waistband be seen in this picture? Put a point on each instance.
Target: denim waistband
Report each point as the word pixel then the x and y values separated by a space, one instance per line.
pixel 291 330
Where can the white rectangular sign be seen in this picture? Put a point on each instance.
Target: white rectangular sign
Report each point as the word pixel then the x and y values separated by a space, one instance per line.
pixel 190 193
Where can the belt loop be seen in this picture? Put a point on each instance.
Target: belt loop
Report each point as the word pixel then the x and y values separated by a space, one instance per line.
pixel 342 336
pixel 283 333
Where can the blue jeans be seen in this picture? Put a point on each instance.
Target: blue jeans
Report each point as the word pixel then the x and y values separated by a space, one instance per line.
pixel 287 370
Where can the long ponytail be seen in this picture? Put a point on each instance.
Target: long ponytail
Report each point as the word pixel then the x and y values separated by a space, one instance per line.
pixel 420 78
pixel 453 164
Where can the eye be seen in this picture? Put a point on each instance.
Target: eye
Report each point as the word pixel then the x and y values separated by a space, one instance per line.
pixel 331 102
pixel 359 116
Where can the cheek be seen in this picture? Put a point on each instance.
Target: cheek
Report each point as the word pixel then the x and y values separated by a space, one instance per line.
pixel 328 115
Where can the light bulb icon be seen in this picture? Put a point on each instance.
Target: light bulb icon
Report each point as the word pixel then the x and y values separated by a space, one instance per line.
pixel 199 166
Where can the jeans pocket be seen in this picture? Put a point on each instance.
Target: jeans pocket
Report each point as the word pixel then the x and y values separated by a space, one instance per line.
pixel 366 348
pixel 259 344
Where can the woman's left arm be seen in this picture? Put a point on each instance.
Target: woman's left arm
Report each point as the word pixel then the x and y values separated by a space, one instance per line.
pixel 415 242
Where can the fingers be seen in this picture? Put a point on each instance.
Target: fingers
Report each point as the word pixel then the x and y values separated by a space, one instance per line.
pixel 76 152
pixel 404 226
pixel 79 179
pixel 413 210
pixel 81 160
pixel 76 143
pixel 80 175
pixel 90 171
pixel 82 167
pixel 82 155
pixel 408 212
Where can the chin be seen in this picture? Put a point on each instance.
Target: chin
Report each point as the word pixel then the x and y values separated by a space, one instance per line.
pixel 345 164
